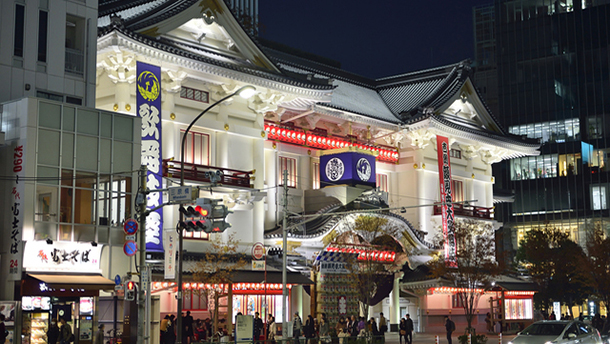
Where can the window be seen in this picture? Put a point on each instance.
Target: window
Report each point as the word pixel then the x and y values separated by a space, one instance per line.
pixel 43 18
pixel 598 197
pixel 196 148
pixel 555 131
pixel 457 188
pixel 193 94
pixel 543 166
pixel 315 173
pixel 455 154
pixel 382 182
pixel 195 300
pixel 59 97
pixel 456 301
pixel 290 165
pixel 75 45
pixel 19 30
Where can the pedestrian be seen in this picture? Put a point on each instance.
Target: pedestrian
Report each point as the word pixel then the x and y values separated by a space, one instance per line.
pixel 187 327
pixel 488 323
pixel 341 329
pixel 383 324
pixel 353 327
pixel 402 328
pixel 324 329
pixel 449 327
pixel 257 327
pixel 271 329
pixel 65 332
pixel 309 330
pixel 99 336
pixel 409 329
pixel 3 332
pixel 361 326
pixel 373 327
pixel 171 330
pixel 52 332
pixel 297 327
pixel 163 328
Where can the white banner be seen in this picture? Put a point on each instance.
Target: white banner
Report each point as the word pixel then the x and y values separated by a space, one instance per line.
pixel 62 256
pixel 170 245
pixel 14 212
pixel 334 267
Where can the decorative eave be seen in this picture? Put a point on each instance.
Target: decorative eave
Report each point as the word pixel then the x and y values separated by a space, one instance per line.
pixel 424 285
pixel 437 124
pixel 354 117
pixel 144 46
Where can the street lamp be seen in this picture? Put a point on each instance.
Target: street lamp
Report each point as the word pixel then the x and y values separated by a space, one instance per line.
pixel 245 92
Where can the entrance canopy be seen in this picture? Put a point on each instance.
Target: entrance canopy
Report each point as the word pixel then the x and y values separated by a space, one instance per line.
pixel 65 285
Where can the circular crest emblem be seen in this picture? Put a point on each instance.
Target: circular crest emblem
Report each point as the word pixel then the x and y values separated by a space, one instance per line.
pixel 364 169
pixel 148 86
pixel 334 169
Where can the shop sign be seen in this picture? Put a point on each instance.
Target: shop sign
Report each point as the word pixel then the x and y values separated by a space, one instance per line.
pixel 328 267
pixel 66 256
pixel 258 251
pixel 258 265
pixel 15 213
pixel 148 100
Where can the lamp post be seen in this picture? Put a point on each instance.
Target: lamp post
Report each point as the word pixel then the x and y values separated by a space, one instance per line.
pixel 245 92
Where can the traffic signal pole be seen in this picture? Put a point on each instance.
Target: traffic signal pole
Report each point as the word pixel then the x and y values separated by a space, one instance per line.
pixel 144 280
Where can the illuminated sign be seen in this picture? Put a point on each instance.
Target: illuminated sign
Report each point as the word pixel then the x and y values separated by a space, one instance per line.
pixel 347 166
pixel 148 99
pixel 62 256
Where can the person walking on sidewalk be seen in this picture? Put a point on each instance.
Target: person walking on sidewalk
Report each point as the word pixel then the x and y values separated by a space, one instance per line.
pixel 402 327
pixel 450 327
pixel 409 330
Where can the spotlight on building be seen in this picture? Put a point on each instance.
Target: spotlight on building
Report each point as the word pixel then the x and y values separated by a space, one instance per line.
pixel 94 244
pixel 403 210
pixel 49 241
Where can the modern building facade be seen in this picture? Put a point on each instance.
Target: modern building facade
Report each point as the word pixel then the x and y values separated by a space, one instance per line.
pixel 545 64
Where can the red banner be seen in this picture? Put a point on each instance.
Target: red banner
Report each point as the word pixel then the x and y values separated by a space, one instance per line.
pixel 444 173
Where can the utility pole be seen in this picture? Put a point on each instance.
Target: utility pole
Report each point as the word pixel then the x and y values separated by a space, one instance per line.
pixel 284 260
pixel 144 278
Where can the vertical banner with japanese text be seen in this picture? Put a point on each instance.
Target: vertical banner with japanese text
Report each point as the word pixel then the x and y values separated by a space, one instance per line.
pixel 444 172
pixel 148 99
pixel 16 209
pixel 170 241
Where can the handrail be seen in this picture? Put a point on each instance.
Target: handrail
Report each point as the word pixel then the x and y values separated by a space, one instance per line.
pixel 467 210
pixel 198 173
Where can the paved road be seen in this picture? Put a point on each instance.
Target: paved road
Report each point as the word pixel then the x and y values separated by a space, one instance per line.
pixel 429 338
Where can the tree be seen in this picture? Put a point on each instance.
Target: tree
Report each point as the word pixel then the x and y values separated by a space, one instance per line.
pixel 476 264
pixel 221 262
pixel 371 235
pixel 556 264
pixel 598 267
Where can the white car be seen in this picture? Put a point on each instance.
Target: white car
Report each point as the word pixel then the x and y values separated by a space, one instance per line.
pixel 558 332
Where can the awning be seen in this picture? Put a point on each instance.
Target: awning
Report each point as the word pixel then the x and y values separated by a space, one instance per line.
pixel 65 284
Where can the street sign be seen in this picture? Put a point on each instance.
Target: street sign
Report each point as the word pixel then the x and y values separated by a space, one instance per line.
pixel 258 251
pixel 144 276
pixel 130 237
pixel 258 265
pixel 180 193
pixel 118 287
pixel 130 227
pixel 130 248
pixel 117 279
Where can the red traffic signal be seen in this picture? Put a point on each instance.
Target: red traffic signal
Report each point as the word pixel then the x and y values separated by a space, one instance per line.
pixel 131 285
pixel 197 211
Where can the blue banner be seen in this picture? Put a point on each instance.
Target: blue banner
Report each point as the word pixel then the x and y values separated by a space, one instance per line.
pixel 148 98
pixel 347 168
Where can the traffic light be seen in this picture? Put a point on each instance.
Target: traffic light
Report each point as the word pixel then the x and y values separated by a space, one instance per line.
pixel 196 218
pixel 219 226
pixel 131 290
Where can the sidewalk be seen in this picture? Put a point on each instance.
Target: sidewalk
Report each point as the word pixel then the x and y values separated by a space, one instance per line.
pixel 429 338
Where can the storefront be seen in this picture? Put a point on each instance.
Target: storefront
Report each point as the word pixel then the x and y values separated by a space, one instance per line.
pixel 61 281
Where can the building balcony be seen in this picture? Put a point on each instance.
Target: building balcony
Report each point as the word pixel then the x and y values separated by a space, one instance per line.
pixel 468 211
pixel 206 174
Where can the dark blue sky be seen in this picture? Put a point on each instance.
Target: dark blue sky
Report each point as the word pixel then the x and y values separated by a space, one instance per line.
pixel 374 38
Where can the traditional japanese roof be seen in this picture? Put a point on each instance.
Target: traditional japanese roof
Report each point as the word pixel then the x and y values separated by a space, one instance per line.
pixel 400 101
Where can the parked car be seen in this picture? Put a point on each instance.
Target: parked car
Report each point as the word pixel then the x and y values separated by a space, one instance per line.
pixel 558 332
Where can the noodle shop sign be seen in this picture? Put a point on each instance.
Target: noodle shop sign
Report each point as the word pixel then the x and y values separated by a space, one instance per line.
pixel 62 256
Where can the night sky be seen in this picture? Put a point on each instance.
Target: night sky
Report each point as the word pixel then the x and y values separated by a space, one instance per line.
pixel 374 38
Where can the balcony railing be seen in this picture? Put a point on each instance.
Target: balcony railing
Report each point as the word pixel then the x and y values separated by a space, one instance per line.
pixel 75 62
pixel 468 211
pixel 197 173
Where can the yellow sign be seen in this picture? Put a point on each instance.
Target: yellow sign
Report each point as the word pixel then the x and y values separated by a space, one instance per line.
pixel 148 86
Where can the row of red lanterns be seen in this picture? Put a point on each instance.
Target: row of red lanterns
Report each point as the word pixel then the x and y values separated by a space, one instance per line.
pixel 379 256
pixel 317 141
pixel 236 286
